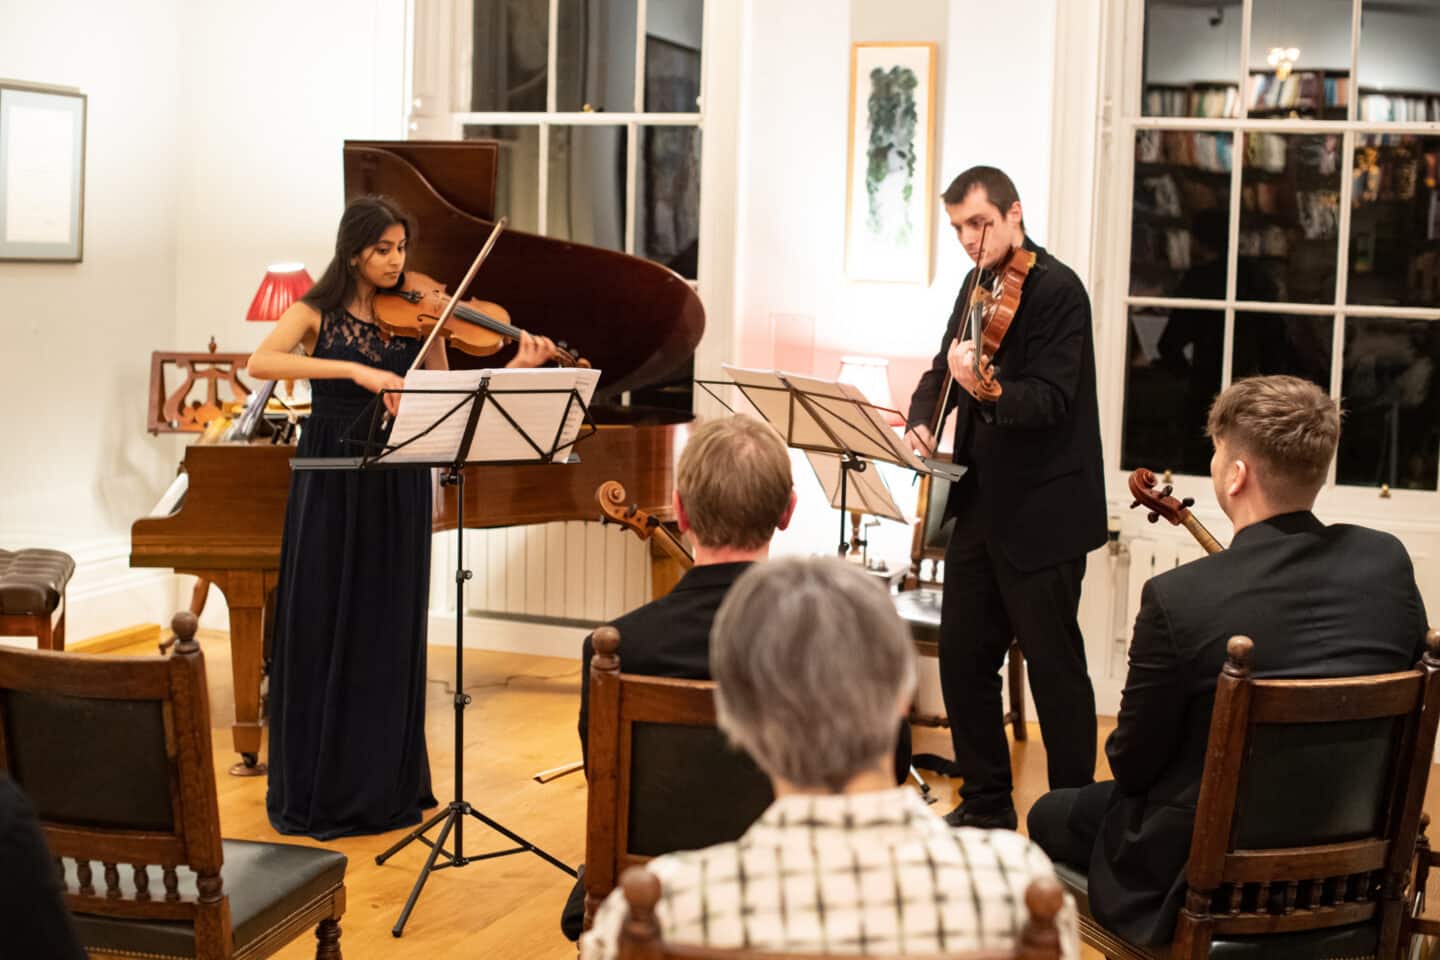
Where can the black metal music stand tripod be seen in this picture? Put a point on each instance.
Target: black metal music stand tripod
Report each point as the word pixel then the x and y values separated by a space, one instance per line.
pixel 451 817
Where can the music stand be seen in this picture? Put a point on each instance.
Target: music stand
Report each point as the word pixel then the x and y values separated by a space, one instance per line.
pixel 823 416
pixel 448 419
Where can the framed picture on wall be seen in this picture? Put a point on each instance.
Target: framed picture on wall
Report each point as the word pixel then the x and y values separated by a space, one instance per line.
pixel 42 172
pixel 889 195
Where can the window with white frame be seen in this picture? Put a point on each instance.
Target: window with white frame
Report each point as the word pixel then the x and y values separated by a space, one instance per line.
pixel 1285 218
pixel 597 106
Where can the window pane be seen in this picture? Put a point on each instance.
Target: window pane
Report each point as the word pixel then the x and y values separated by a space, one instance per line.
pixel 517 181
pixel 595 58
pixel 667 207
pixel 1289 218
pixel 1300 59
pixel 1392 407
pixel 510 56
pixel 1395 221
pixel 1172 375
pixel 1180 228
pixel 1271 343
pixel 1192 59
pixel 672 55
pixel 1399 71
pixel 587 186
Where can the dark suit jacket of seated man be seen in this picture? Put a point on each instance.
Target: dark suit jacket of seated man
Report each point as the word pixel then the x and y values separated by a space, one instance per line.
pixel 1317 600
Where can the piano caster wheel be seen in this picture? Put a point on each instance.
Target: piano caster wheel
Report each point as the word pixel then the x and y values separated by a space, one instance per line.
pixel 249 766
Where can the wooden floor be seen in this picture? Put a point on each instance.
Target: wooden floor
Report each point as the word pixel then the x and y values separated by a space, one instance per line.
pixel 522 720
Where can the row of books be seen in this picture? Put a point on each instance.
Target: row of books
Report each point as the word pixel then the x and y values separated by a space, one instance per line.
pixel 1204 101
pixel 1212 152
pixel 1400 108
pixel 1301 90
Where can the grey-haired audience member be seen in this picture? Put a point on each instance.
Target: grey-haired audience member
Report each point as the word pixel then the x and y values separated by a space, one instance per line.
pixel 813 669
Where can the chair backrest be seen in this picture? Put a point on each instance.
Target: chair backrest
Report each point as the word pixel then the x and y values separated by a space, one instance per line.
pixel 932 530
pixel 662 777
pixel 1309 807
pixel 114 753
pixel 640 935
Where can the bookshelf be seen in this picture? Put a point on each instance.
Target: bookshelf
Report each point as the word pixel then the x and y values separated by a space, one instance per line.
pixel 1204 98
pixel 1312 94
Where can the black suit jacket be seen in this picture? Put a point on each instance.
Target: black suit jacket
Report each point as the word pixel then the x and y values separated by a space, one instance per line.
pixel 1317 601
pixel 668 637
pixel 34 923
pixel 1034 455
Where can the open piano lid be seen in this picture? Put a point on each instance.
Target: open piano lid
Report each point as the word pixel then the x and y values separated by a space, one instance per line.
pixel 633 319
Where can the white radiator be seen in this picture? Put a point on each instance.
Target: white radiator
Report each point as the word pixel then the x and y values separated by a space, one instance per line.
pixel 577 573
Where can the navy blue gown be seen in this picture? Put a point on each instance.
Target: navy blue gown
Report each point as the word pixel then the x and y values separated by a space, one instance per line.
pixel 347 671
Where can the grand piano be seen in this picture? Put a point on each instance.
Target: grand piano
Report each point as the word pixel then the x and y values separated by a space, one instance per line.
pixel 634 320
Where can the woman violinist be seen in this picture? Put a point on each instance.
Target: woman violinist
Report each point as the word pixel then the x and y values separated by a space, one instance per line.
pixel 347 669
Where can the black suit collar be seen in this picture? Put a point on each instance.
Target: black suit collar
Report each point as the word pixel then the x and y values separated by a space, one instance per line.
pixel 711 575
pixel 1280 525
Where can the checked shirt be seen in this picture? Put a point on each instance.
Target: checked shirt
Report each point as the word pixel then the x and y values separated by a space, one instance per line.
pixel 848 874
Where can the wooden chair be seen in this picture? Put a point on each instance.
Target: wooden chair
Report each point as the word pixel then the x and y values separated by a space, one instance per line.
pixel 662 776
pixel 1275 878
pixel 640 935
pixel 115 755
pixel 918 601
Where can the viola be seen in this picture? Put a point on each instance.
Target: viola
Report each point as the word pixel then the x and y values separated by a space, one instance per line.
pixel 613 509
pixel 989 313
pixel 1160 503
pixel 412 307
pixel 992 311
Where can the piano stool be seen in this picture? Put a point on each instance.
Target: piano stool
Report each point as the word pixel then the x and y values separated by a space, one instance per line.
pixel 32 595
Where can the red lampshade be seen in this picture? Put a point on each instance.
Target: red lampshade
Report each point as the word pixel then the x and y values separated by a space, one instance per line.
pixel 284 283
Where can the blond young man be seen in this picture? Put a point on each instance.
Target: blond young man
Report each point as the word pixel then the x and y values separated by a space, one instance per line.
pixel 813 668
pixel 733 490
pixel 1318 601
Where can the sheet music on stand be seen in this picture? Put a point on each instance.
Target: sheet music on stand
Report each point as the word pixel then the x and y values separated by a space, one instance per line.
pixel 520 404
pixel 838 428
pixel 867 492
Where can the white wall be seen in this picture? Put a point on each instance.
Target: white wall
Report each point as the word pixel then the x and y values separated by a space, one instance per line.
pixel 213 148
pixel 270 90
pixel 993 106
pixel 77 465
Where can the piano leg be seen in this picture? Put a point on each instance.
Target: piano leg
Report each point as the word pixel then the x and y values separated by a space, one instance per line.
pixel 245 592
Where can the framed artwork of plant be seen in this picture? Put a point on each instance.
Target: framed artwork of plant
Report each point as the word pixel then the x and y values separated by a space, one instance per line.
pixel 890 191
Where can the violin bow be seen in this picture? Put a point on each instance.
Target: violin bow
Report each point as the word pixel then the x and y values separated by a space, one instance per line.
pixel 970 321
pixel 460 290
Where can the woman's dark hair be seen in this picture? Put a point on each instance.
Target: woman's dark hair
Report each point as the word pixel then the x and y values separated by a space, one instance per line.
pixel 362 224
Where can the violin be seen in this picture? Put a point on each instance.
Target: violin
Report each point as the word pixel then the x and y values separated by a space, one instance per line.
pixel 1160 503
pixel 412 307
pixel 989 313
pixel 613 509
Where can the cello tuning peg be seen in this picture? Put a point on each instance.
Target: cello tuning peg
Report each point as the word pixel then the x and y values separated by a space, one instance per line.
pixel 1188 502
pixel 1153 518
pixel 1134 504
pixel 1166 490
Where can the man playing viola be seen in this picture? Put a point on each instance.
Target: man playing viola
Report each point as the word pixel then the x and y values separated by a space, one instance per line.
pixel 1028 509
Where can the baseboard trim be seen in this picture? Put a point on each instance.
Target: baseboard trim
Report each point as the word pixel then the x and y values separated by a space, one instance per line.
pixel 509 636
pixel 140 633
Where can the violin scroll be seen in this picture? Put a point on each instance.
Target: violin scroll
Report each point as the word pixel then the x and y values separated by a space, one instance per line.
pixel 1158 500
pixel 614 509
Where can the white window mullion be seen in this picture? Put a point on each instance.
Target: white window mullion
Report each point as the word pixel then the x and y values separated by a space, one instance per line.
pixel 1246 11
pixel 640 27
pixel 552 54
pixel 632 168
pixel 542 219
pixel 1352 106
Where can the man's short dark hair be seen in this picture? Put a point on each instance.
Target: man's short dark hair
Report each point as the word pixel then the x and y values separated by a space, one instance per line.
pixel 999 188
